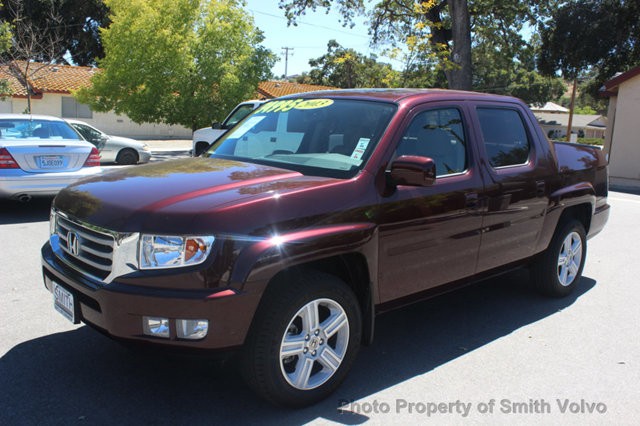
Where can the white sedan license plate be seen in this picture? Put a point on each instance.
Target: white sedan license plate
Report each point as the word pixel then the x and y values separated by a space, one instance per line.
pixel 63 302
pixel 50 161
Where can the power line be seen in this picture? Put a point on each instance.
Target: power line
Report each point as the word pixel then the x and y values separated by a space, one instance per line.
pixel 310 25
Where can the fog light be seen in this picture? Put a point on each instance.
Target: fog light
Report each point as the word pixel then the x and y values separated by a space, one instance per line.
pixel 192 329
pixel 155 326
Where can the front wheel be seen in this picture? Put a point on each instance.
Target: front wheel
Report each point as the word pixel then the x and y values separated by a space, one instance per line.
pixel 200 148
pixel 559 269
pixel 127 157
pixel 304 339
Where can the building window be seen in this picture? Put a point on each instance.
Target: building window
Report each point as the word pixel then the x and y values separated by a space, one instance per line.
pixel 73 109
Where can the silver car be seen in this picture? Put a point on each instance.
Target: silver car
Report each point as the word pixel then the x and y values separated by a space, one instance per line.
pixel 40 155
pixel 113 149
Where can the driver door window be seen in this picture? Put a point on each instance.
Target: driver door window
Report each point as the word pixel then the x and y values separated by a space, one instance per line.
pixel 437 134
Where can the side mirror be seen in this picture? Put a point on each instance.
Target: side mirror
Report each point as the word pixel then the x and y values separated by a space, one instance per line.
pixel 102 141
pixel 216 125
pixel 413 170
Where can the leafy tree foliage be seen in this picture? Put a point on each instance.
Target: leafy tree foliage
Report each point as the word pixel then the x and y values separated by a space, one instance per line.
pixel 31 48
pixel 5 45
pixel 496 72
pixel 603 35
pixel 585 101
pixel 177 61
pixel 346 68
pixel 433 28
pixel 75 27
pixel 434 39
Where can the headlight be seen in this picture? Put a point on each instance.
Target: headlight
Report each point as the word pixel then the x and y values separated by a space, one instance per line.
pixel 145 147
pixel 52 222
pixel 170 251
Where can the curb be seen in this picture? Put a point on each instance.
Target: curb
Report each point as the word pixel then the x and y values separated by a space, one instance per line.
pixel 170 151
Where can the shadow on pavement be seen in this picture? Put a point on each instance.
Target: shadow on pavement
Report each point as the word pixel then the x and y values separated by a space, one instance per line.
pixel 624 189
pixel 81 376
pixel 36 210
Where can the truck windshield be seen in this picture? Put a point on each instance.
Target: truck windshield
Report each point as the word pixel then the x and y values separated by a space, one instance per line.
pixel 323 137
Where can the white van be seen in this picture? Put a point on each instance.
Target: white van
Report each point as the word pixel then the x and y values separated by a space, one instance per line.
pixel 204 137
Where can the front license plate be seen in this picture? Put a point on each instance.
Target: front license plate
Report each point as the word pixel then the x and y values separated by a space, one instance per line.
pixel 50 161
pixel 63 302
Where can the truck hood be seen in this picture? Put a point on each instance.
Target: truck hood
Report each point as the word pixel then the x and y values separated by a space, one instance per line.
pixel 187 195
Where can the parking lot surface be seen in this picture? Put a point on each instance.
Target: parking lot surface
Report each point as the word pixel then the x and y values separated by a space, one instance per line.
pixel 493 353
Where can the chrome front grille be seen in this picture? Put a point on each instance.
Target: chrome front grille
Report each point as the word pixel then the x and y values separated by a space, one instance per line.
pixel 87 249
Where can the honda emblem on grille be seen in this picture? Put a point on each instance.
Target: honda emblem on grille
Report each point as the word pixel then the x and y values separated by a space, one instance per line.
pixel 73 243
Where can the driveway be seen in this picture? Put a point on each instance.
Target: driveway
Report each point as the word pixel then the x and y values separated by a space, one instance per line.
pixel 493 353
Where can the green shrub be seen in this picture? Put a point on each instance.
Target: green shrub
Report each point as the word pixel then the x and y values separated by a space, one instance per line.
pixel 591 141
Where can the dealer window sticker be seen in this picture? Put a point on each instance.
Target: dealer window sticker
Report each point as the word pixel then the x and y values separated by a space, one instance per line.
pixel 358 152
pixel 289 104
pixel 314 103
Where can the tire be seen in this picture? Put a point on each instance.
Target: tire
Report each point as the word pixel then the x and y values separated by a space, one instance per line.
pixel 200 148
pixel 127 157
pixel 559 269
pixel 303 341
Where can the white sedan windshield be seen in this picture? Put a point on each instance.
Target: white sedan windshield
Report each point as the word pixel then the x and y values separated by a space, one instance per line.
pixel 36 129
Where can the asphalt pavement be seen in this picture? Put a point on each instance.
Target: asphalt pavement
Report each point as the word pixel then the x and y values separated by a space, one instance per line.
pixel 493 353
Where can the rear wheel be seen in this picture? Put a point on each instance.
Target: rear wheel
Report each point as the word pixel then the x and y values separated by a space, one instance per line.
pixel 304 339
pixel 559 269
pixel 127 156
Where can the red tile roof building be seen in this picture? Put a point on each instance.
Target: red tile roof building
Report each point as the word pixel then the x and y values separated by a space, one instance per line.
pixel 46 78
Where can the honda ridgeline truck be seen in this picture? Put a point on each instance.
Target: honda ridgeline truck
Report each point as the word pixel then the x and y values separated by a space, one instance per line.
pixel 286 238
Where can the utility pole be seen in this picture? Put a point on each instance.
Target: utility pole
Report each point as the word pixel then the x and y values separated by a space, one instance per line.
pixel 286 59
pixel 571 106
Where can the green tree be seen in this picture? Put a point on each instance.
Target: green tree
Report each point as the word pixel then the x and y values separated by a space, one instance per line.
pixel 435 28
pixel 592 35
pixel 5 45
pixel 600 34
pixel 76 26
pixel 177 61
pixel 438 35
pixel 517 76
pixel 34 47
pixel 346 68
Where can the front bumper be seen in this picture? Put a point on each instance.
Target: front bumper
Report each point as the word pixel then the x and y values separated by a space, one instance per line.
pixel 144 156
pixel 117 308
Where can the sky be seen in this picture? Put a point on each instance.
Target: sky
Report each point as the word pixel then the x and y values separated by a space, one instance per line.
pixel 309 39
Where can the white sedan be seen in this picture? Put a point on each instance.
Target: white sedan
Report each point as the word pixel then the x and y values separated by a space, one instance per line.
pixel 113 149
pixel 40 155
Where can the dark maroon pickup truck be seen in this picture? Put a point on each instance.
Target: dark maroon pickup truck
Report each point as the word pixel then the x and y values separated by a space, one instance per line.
pixel 314 214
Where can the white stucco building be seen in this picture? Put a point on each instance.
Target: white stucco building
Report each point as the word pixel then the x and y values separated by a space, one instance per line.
pixel 622 141
pixel 51 95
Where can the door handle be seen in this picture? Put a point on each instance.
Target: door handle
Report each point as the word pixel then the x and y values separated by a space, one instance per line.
pixel 471 201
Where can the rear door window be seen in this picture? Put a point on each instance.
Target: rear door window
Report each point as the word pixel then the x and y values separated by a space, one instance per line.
pixel 505 137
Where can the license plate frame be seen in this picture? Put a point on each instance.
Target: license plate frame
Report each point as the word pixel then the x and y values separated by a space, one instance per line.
pixel 64 302
pixel 50 161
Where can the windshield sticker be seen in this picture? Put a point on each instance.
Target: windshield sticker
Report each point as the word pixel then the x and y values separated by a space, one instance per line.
pixel 357 153
pixel 314 103
pixel 289 104
pixel 247 125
